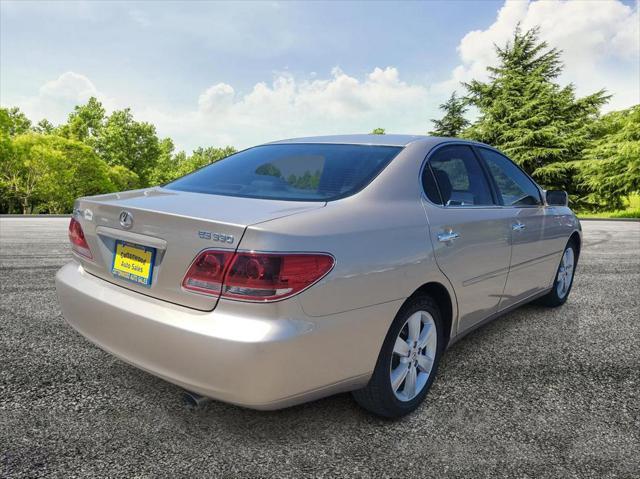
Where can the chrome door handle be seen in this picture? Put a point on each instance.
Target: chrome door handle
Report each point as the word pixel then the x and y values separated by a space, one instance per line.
pixel 450 236
pixel 518 226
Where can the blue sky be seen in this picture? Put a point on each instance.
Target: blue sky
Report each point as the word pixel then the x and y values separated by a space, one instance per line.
pixel 245 72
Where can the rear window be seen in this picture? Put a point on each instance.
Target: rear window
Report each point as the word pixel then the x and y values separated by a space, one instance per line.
pixel 296 172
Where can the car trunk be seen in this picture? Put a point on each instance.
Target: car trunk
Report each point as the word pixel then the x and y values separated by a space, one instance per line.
pixel 174 226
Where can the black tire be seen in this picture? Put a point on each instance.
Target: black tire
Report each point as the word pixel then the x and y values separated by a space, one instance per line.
pixel 552 299
pixel 378 396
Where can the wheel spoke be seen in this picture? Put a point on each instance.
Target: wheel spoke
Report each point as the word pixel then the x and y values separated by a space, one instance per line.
pixel 401 347
pixel 410 383
pixel 399 374
pixel 425 363
pixel 426 336
pixel 414 326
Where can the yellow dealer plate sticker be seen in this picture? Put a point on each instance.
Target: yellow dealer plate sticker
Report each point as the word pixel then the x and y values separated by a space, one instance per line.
pixel 133 262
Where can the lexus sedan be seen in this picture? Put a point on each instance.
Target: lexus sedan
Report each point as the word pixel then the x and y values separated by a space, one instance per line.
pixel 306 267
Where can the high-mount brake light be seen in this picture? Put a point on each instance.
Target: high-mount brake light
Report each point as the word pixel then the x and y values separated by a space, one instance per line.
pixel 253 276
pixel 78 242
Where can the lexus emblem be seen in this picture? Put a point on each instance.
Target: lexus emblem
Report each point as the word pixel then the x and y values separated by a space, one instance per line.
pixel 126 219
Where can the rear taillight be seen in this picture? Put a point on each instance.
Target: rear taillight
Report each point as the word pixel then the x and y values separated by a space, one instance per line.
pixel 207 272
pixel 78 241
pixel 267 277
pixel 255 276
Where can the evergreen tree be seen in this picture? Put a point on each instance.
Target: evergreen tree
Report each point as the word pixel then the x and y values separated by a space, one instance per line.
pixel 453 121
pixel 525 113
pixel 611 169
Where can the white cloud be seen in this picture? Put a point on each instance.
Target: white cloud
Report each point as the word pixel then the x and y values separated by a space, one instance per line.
pixel 56 98
pixel 292 107
pixel 69 86
pixel 600 43
pixel 217 97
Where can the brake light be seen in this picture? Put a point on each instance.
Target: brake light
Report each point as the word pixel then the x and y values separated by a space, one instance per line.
pixel 78 241
pixel 207 272
pixel 256 276
pixel 267 277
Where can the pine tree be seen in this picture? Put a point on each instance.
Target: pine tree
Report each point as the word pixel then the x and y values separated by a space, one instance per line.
pixel 525 113
pixel 611 168
pixel 453 121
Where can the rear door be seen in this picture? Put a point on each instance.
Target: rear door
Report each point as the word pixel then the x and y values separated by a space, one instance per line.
pixel 470 233
pixel 533 258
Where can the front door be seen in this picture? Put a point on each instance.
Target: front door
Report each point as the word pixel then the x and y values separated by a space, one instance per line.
pixel 470 233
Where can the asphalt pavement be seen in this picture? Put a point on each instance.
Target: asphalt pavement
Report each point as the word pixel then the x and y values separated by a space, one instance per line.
pixel 537 393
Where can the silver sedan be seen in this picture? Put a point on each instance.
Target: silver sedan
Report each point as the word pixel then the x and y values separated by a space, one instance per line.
pixel 303 268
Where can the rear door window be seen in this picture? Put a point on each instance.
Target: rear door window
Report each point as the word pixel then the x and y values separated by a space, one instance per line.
pixel 298 172
pixel 460 178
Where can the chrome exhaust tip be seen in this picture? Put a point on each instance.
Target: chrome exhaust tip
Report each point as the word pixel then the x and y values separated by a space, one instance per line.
pixel 194 400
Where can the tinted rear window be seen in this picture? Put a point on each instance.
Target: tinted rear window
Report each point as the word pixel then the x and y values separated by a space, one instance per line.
pixel 297 172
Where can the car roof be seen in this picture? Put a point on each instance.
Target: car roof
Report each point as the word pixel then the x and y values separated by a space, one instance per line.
pixel 370 139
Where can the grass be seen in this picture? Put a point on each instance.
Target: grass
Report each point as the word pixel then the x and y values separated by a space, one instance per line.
pixel 631 211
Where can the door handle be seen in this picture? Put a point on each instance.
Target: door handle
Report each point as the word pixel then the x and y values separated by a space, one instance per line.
pixel 446 237
pixel 518 226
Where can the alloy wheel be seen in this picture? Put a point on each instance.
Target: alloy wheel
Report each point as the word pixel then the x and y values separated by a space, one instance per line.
pixel 565 273
pixel 413 356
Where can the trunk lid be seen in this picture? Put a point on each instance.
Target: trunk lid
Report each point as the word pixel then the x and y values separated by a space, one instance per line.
pixel 175 226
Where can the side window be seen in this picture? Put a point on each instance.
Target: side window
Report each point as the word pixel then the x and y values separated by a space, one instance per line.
pixel 460 178
pixel 513 185
pixel 430 187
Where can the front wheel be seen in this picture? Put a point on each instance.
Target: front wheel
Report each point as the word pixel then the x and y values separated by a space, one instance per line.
pixel 408 361
pixel 564 278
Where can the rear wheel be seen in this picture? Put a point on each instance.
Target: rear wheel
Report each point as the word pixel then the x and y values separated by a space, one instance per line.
pixel 564 278
pixel 408 361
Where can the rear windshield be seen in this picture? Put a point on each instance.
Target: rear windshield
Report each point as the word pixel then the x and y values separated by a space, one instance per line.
pixel 297 172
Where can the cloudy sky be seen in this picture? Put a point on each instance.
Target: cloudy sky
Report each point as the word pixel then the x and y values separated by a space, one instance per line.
pixel 241 73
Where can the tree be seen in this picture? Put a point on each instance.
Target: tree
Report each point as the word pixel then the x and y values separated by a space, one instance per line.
pixel 85 122
pixel 453 121
pixel 44 126
pixel 202 157
pixel 50 171
pixel 166 167
pixel 6 153
pixel 123 178
pixel 16 122
pixel 129 143
pixel 525 113
pixel 612 162
pixel 378 131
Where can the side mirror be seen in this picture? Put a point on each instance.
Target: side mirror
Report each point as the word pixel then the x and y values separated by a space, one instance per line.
pixel 557 198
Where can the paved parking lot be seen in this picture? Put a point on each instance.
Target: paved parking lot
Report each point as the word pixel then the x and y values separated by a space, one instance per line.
pixel 537 393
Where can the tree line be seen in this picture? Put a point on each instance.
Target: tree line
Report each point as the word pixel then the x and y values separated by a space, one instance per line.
pixel 560 140
pixel 43 168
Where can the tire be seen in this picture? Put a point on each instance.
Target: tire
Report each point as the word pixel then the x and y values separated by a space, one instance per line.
pixel 562 283
pixel 379 396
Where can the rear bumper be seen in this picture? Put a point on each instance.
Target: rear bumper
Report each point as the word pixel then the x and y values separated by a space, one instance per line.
pixel 262 356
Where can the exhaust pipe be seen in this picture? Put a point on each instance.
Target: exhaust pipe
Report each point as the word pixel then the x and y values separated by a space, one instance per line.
pixel 194 400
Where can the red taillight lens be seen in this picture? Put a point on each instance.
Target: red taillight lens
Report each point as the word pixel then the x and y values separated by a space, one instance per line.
pixel 78 241
pixel 267 277
pixel 255 276
pixel 207 272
